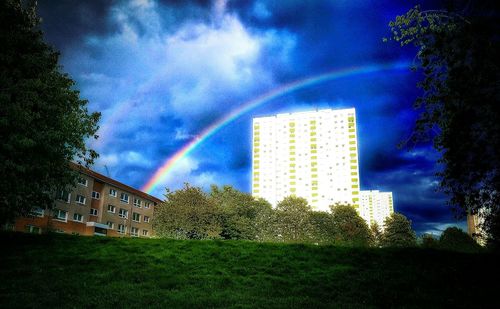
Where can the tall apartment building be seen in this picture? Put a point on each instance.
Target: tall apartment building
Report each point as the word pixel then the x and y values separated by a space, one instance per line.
pixel 98 205
pixel 311 154
pixel 375 206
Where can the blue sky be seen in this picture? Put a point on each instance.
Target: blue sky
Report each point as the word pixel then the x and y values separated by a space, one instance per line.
pixel 161 71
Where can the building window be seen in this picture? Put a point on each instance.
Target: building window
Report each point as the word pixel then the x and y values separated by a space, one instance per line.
pixel 146 219
pixel 123 213
pixel 80 199
pixel 111 208
pixel 136 217
pixel 145 232
pixel 110 225
pixel 93 212
pixel 33 229
pixel 124 197
pixel 64 196
pixel 37 212
pixel 82 181
pixel 122 229
pixel 60 215
pixel 134 232
pixel 137 202
pixel 77 217
pixel 112 192
pixel 96 195
pixel 147 205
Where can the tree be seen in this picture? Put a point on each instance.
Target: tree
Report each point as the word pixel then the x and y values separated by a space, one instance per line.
pixel 398 232
pixel 458 55
pixel 376 234
pixel 44 124
pixel 349 227
pixel 187 213
pixel 238 212
pixel 492 227
pixel 265 221
pixel 455 239
pixel 292 219
pixel 323 227
pixel 428 241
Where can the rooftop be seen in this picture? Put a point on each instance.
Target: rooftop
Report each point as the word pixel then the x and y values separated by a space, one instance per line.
pixel 110 181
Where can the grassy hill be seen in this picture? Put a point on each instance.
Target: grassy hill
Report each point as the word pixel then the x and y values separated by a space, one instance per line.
pixel 69 271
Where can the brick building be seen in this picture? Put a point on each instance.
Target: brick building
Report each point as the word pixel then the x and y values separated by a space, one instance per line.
pixel 98 205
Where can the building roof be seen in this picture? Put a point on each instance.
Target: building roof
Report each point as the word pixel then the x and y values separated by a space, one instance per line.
pixel 306 112
pixel 112 182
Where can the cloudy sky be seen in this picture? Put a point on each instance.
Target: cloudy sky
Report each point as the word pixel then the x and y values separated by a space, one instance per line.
pixel 162 71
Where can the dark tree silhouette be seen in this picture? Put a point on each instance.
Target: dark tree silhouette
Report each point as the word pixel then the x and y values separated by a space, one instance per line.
pixel 459 108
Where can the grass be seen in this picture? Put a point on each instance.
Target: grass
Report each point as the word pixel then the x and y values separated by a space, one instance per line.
pixel 55 271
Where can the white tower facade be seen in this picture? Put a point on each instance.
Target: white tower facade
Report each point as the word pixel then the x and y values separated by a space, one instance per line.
pixel 375 206
pixel 311 154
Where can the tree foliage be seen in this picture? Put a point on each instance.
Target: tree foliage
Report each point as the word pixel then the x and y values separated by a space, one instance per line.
pixel 44 124
pixel 226 213
pixel 265 221
pixel 429 242
pixel 349 227
pixel 187 213
pixel 491 227
pixel 292 219
pixel 376 234
pixel 398 232
pixel 323 227
pixel 240 213
pixel 459 107
pixel 455 239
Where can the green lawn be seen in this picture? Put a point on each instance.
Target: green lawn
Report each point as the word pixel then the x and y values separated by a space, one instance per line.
pixel 69 271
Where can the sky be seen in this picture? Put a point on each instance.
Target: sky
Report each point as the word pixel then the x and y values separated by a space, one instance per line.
pixel 161 72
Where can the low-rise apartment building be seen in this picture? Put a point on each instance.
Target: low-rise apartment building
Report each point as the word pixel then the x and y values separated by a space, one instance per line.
pixel 98 205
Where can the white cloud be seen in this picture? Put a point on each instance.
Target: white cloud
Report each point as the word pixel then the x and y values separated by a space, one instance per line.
pixel 152 70
pixel 181 134
pixel 204 180
pixel 210 64
pixel 177 176
pixel 185 171
pixel 134 158
pixel 219 8
pixel 199 69
pixel 108 160
pixel 129 158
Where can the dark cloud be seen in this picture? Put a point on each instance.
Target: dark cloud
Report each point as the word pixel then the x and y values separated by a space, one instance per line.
pixel 385 159
pixel 66 22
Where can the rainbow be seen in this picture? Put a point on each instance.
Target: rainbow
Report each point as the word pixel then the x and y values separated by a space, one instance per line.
pixel 162 172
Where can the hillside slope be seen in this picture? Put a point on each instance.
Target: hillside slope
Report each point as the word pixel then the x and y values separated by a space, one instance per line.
pixel 69 271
